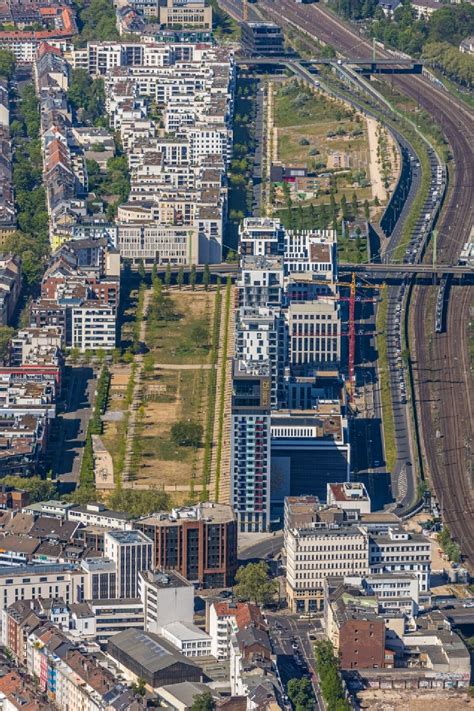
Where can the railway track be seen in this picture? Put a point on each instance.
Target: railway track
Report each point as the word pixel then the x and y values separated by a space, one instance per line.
pixel 443 378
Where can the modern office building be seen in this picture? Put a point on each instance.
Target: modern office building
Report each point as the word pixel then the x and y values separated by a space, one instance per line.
pixel 132 552
pixel 199 542
pixel 263 38
pixel 166 598
pixel 342 544
pixel 250 445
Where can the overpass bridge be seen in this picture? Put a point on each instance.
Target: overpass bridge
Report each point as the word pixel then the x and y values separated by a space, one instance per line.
pixel 233 269
pixel 371 65
pixel 430 269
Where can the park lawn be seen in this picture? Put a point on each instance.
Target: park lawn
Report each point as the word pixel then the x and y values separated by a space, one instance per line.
pixel 297 105
pixel 161 462
pixel 290 149
pixel 186 339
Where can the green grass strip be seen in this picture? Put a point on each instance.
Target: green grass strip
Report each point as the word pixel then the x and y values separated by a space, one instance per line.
pixel 211 396
pixel 225 345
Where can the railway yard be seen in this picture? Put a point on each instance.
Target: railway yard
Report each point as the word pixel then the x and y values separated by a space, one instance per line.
pixel 439 353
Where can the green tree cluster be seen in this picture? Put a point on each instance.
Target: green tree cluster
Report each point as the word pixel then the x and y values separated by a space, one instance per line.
pixel 32 243
pixel 450 547
pixel 255 584
pixel 7 64
pixel 300 693
pixel 355 9
pixel 86 477
pixel 87 94
pixel 139 503
pixel 203 702
pixel 96 21
pixel 329 678
pixel 456 65
pixel 187 434
pixel 39 489
pixel 6 332
pixel 450 24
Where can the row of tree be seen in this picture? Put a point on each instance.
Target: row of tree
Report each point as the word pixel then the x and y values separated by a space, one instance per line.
pixel 329 677
pixel 450 24
pixel 456 65
pixel 86 477
pixel 32 242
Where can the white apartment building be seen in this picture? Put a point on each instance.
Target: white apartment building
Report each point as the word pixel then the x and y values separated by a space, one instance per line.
pixel 93 326
pixel 189 639
pixel 261 282
pixel 47 581
pixel 312 555
pixel 226 618
pixel 155 243
pixel 166 598
pixel 131 552
pixel 348 550
pixel 261 237
pixel 98 515
pixel 349 496
pixel 112 616
pixel 258 341
pixel 399 551
pixel 312 252
pixel 314 333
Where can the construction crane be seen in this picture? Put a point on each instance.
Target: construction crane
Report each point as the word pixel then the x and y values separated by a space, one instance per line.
pixel 353 286
pixel 352 299
pixel 245 10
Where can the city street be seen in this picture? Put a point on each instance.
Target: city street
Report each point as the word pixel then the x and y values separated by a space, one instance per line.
pixel 293 641
pixel 67 442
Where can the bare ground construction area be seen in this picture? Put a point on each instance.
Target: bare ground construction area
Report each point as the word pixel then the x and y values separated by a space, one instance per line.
pixel 414 700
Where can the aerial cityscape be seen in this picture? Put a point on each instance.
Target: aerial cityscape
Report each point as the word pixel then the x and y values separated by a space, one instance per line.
pixel 236 355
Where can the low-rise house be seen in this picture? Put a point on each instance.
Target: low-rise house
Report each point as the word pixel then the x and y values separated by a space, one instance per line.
pixel 467 45
pixel 226 618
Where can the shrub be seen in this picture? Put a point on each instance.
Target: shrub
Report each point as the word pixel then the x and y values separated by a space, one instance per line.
pixel 187 434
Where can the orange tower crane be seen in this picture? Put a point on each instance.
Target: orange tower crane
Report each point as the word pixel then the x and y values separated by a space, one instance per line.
pixel 353 286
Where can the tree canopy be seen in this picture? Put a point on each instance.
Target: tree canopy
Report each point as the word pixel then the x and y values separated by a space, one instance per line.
pixel 39 489
pixel 87 95
pixel 7 64
pixel 203 702
pixel 6 332
pixel 254 583
pixel 300 693
pixel 97 21
pixel 329 678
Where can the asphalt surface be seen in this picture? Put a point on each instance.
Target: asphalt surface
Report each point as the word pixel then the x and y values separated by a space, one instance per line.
pixel 264 549
pixel 67 443
pixel 293 641
pixel 259 148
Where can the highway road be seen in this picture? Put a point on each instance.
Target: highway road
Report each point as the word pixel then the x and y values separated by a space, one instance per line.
pixel 443 378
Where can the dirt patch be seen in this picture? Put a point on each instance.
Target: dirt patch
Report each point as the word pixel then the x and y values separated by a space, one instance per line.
pixel 414 700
